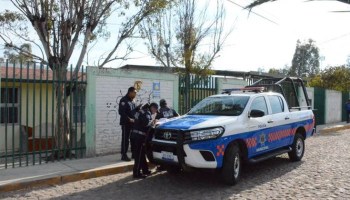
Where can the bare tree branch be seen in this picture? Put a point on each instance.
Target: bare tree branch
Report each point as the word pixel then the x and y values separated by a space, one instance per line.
pixel 11 45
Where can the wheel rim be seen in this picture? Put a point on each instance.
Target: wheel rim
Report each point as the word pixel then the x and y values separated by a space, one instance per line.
pixel 236 166
pixel 299 147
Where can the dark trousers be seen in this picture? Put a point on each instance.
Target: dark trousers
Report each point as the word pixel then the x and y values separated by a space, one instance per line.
pixel 126 130
pixel 347 116
pixel 140 155
pixel 148 149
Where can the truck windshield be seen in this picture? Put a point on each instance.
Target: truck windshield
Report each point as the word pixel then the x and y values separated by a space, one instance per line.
pixel 223 105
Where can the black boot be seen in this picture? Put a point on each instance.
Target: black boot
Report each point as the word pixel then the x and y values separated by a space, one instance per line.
pixel 125 158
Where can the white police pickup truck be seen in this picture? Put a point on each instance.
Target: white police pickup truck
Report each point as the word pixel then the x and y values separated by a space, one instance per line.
pixel 222 131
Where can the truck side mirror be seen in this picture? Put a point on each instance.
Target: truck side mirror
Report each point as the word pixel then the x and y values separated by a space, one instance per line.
pixel 256 113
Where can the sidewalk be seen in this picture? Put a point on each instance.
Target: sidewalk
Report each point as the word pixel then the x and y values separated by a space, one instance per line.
pixel 327 128
pixel 61 172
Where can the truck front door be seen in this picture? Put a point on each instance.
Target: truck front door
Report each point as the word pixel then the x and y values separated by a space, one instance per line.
pixel 259 127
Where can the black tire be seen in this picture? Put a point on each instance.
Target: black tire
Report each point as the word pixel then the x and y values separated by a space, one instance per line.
pixel 173 169
pixel 298 148
pixel 232 166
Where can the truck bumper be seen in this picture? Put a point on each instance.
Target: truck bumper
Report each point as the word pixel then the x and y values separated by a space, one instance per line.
pixel 182 155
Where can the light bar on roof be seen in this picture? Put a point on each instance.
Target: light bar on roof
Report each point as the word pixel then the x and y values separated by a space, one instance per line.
pixel 251 89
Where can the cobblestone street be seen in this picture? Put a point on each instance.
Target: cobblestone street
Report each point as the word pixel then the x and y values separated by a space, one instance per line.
pixel 324 173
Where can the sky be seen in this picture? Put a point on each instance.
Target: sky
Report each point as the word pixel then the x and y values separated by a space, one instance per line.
pixel 260 43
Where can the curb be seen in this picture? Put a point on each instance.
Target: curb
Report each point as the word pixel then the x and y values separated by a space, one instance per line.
pixel 58 180
pixel 334 129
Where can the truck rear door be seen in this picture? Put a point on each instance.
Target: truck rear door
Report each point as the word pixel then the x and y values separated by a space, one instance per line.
pixel 281 128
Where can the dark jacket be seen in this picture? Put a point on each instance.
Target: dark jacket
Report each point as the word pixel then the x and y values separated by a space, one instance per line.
pixel 126 110
pixel 347 106
pixel 143 121
pixel 166 112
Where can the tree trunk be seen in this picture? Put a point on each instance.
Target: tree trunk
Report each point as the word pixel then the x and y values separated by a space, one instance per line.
pixel 62 129
pixel 62 123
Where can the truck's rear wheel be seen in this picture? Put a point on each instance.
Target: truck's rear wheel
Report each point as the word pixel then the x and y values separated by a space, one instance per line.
pixel 298 148
pixel 231 169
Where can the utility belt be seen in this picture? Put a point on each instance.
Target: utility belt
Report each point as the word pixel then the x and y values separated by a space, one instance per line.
pixel 139 132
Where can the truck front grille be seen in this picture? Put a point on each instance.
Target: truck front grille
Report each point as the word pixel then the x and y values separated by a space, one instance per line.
pixel 171 135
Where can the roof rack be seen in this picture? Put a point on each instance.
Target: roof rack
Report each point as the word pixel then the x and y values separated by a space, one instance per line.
pixel 245 89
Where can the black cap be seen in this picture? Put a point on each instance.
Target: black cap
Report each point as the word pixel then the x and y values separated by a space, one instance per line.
pixel 132 89
pixel 154 105
pixel 162 103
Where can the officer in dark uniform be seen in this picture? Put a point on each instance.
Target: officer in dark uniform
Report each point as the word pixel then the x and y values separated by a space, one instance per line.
pixel 142 125
pixel 126 112
pixel 165 111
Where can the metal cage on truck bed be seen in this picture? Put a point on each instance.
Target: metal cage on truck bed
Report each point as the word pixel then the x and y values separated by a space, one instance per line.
pixel 288 87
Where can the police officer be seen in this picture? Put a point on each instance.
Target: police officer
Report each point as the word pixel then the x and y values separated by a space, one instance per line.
pixel 142 125
pixel 126 112
pixel 165 111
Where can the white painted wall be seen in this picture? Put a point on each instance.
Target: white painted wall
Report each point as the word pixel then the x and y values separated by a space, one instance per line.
pixel 109 90
pixel 228 83
pixel 301 97
pixel 333 106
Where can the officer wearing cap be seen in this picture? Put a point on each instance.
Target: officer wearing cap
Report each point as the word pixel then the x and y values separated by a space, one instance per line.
pixel 143 123
pixel 126 112
pixel 165 111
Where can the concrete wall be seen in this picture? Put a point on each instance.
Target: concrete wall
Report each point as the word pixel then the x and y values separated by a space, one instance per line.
pixel 333 106
pixel 227 83
pixel 301 97
pixel 311 92
pixel 105 88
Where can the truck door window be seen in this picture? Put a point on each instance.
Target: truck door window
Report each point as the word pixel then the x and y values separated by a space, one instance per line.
pixel 276 104
pixel 259 103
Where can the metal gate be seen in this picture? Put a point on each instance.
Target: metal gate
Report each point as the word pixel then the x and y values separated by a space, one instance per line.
pixel 29 114
pixel 194 88
pixel 320 105
pixel 345 98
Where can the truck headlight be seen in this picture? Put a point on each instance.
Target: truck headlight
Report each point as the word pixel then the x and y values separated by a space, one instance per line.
pixel 206 134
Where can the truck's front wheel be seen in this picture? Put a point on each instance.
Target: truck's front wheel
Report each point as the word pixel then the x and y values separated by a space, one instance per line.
pixel 231 169
pixel 298 148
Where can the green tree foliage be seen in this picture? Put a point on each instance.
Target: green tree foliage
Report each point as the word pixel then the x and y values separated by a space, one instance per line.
pixel 335 78
pixel 24 54
pixel 282 71
pixel 306 59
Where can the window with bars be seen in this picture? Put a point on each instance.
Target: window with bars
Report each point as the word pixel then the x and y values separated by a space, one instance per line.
pixel 9 105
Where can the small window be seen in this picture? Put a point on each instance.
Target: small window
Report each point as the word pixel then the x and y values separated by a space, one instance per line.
pixel 9 105
pixel 259 103
pixel 276 103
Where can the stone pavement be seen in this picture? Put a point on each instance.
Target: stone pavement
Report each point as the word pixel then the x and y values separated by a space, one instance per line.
pixel 74 170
